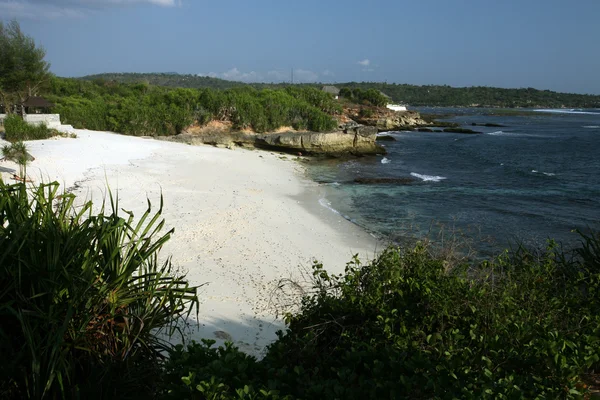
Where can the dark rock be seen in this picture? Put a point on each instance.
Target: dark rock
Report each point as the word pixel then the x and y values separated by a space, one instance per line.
pixel 386 138
pixel 384 181
pixel 424 130
pixel 460 130
pixel 349 125
pixel 489 125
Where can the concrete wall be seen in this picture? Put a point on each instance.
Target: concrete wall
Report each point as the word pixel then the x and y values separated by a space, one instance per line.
pixel 51 120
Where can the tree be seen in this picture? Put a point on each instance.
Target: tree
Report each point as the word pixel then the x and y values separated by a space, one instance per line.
pixel 23 70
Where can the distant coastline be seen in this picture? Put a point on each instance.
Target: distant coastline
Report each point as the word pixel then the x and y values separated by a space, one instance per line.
pixel 414 95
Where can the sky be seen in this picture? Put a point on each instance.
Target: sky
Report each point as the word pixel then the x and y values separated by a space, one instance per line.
pixel 545 44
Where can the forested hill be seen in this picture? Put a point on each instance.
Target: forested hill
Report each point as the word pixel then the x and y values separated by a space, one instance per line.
pixel 167 79
pixel 429 95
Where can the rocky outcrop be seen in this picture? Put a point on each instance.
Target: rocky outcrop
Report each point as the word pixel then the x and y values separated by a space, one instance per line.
pixel 384 119
pixel 354 140
pixel 359 140
pixel 394 120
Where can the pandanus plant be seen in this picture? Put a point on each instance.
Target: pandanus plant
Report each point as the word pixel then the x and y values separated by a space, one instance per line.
pixel 84 299
pixel 18 153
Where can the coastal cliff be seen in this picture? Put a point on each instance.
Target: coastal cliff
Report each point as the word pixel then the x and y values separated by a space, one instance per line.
pixel 356 134
pixel 355 140
pixel 385 119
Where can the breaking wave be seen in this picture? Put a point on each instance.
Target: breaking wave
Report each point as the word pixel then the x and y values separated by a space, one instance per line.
pixel 567 111
pixel 428 178
pixel 545 173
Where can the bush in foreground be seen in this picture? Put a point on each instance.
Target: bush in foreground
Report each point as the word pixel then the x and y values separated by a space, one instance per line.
pixel 83 298
pixel 524 325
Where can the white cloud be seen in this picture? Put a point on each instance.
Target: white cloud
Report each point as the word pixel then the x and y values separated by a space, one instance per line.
pixel 327 73
pixel 43 9
pixel 365 63
pixel 279 76
pixel 305 76
pixel 234 74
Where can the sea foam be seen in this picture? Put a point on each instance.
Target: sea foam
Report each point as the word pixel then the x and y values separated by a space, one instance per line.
pixel 428 178
pixel 545 173
pixel 571 111
pixel 327 204
pixel 385 160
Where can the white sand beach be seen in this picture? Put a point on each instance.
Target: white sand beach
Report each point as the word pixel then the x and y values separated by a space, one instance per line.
pixel 243 219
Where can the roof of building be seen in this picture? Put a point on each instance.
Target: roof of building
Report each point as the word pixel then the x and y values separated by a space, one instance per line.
pixel 331 89
pixel 36 101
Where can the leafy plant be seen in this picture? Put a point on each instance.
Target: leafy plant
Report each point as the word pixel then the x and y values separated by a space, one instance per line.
pixel 522 325
pixel 84 300
pixel 18 153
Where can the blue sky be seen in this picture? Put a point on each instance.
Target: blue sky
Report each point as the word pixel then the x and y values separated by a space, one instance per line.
pixel 550 44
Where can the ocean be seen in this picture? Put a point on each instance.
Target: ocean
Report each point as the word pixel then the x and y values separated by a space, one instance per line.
pixel 537 177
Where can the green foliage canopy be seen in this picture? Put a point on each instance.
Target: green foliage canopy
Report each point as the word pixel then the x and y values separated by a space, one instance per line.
pixel 23 69
pixel 414 95
pixel 141 109
pixel 406 326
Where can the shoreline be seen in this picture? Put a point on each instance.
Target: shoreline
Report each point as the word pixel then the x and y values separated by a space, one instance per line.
pixel 244 220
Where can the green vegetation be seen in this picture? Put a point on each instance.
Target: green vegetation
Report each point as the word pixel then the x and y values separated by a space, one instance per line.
pixel 17 152
pixel 140 109
pixel 414 95
pixel 409 325
pixel 166 79
pixel 18 130
pixel 478 96
pixel 23 70
pixel 370 97
pixel 84 301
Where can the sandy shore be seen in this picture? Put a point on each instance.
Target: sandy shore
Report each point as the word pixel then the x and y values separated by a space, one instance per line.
pixel 243 219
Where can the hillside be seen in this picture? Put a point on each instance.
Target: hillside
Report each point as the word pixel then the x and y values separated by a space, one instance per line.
pixel 428 95
pixel 166 79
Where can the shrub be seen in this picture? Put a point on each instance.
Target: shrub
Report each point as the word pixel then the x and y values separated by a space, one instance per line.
pixel 18 130
pixel 18 153
pixel 369 97
pixel 147 110
pixel 201 371
pixel 365 112
pixel 83 298
pixel 523 325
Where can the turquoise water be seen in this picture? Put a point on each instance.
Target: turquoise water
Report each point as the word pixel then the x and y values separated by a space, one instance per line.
pixel 538 177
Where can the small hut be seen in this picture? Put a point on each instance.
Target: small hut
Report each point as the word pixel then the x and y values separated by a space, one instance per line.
pixel 37 105
pixel 332 90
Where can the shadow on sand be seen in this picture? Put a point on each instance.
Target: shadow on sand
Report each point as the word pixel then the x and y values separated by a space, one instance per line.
pixel 250 334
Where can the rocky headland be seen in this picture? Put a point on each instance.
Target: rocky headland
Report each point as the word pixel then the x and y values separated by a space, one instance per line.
pixel 352 140
pixel 356 134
